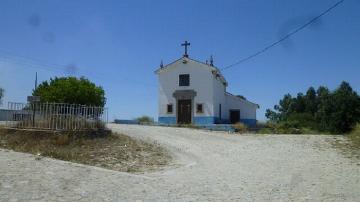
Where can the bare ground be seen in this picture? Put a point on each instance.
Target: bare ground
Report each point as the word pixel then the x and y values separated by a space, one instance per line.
pixel 112 151
pixel 209 166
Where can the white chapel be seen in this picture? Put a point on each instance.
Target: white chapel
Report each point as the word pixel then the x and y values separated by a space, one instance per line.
pixel 193 92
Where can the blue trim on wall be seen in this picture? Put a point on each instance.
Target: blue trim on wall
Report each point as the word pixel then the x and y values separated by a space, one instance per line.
pixel 248 122
pixel 167 120
pixel 221 121
pixel 204 120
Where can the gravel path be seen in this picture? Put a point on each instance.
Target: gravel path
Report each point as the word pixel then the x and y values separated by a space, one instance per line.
pixel 208 166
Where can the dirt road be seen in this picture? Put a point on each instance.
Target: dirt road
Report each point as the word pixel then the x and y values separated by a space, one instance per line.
pixel 208 166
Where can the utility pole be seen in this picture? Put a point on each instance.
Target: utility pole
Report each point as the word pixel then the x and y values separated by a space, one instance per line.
pixel 33 101
pixel 35 81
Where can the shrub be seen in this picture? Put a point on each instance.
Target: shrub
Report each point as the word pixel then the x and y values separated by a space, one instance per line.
pixel 286 127
pixel 145 120
pixel 265 131
pixel 240 127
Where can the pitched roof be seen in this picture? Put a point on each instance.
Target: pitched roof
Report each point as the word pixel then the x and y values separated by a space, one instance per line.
pixel 242 99
pixel 213 69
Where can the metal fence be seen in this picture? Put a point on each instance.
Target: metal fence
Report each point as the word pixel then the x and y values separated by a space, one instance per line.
pixel 5 114
pixel 56 116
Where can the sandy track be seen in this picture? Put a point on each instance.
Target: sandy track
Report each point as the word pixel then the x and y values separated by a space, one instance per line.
pixel 208 166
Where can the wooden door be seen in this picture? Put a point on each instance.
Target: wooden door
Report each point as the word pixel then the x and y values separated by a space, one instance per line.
pixel 234 116
pixel 184 111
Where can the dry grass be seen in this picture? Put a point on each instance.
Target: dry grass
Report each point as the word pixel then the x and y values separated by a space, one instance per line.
pixel 351 146
pixel 111 151
pixel 240 127
pixel 60 123
pixel 354 137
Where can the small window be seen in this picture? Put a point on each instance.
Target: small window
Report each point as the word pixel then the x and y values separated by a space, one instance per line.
pixel 184 80
pixel 169 108
pixel 199 108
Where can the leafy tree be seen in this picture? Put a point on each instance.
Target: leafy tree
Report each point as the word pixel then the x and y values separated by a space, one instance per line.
pixel 272 115
pixel 71 90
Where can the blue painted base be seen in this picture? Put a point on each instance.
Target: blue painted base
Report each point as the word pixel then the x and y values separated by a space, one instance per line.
pixel 249 122
pixel 167 120
pixel 206 121
pixel 221 121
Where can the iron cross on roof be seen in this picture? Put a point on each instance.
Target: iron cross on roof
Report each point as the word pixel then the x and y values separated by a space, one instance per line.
pixel 186 44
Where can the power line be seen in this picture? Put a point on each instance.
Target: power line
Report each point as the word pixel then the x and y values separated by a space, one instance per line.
pixel 284 37
pixel 28 62
pixel 23 63
pixel 36 62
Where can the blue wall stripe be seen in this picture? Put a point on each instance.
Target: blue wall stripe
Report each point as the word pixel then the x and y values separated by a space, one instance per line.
pixel 205 120
pixel 167 120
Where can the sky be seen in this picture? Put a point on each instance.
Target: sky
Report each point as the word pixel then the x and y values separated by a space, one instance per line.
pixel 119 45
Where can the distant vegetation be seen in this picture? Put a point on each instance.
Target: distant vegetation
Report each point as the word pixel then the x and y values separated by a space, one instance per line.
pixel 145 120
pixel 71 90
pixel 321 110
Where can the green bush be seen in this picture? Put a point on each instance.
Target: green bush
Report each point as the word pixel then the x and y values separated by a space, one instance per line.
pixel 285 127
pixel 265 131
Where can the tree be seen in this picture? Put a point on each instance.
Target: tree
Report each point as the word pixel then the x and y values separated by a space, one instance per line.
pixel 322 115
pixel 310 101
pixel 71 90
pixel 272 115
pixel 345 109
pixel 285 106
pixel 337 111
